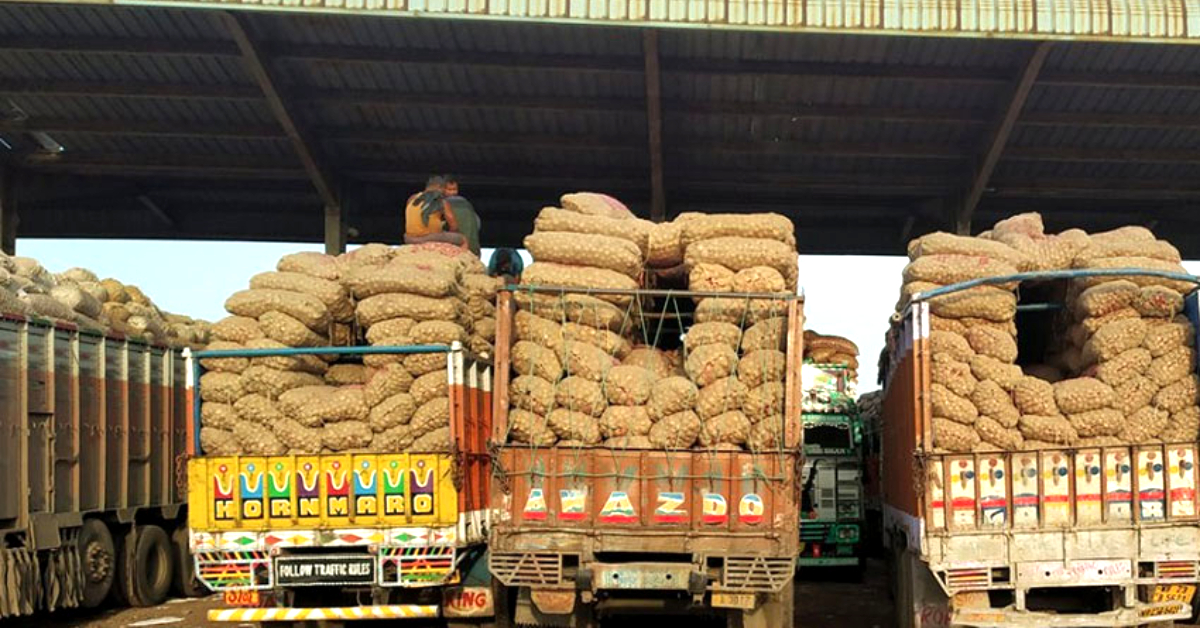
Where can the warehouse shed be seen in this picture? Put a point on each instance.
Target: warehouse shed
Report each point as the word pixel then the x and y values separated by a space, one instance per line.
pixel 311 123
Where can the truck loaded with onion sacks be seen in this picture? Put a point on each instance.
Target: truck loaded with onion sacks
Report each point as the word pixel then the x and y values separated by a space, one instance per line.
pixel 647 420
pixel 1039 430
pixel 343 409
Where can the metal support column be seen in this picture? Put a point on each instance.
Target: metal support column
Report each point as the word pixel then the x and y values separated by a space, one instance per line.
pixel 8 210
pixel 335 231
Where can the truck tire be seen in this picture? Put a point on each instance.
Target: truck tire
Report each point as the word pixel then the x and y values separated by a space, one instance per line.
pixel 98 558
pixel 185 583
pixel 144 573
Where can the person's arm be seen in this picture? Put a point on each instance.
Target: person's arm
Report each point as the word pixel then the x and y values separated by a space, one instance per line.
pixel 449 218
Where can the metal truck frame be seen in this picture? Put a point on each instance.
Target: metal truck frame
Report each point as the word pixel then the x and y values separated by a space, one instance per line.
pixel 581 532
pixel 94 433
pixel 974 538
pixel 353 536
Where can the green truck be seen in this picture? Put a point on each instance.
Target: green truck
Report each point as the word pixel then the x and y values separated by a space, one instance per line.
pixel 832 511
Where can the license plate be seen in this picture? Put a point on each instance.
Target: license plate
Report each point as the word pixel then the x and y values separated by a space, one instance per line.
pixel 324 570
pixel 241 598
pixel 743 601
pixel 1174 593
pixel 1165 609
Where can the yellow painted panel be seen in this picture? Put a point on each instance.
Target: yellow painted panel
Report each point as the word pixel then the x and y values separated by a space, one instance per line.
pixel 321 492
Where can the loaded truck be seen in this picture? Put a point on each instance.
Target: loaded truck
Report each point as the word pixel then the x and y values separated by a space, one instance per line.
pixel 831 531
pixel 583 532
pixel 344 537
pixel 94 434
pixel 1105 535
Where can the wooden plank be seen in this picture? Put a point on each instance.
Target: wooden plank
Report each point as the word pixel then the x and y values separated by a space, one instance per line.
pixel 257 65
pixel 993 146
pixel 654 126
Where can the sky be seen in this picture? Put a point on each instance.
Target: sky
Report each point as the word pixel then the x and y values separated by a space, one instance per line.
pixel 845 295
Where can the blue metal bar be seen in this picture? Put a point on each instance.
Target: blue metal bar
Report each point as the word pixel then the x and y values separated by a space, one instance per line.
pixel 1039 307
pixel 196 370
pixel 267 353
pixel 1055 274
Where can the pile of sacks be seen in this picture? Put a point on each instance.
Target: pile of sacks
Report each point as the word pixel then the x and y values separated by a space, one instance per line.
pixel 835 350
pixel 79 296
pixel 576 385
pixel 411 295
pixel 745 253
pixel 1121 372
pixel 579 381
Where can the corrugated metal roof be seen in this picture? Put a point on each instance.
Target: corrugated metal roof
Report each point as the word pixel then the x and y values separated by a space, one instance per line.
pixel 526 111
pixel 1136 20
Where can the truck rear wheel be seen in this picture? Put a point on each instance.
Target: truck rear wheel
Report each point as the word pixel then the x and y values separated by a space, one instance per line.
pixel 98 557
pixel 144 571
pixel 185 584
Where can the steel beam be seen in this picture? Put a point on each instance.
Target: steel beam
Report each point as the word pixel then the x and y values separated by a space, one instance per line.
pixel 257 63
pixel 993 147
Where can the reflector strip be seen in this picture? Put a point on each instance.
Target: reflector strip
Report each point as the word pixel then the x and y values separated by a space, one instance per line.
pixel 351 613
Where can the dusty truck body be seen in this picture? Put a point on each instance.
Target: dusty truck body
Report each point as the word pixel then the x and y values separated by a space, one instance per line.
pixel 587 531
pixel 351 536
pixel 1072 536
pixel 93 439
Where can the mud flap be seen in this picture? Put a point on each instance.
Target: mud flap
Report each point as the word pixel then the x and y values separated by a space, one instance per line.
pixel 20 582
pixel 63 578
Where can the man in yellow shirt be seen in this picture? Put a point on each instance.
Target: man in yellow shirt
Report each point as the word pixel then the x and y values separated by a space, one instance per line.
pixel 440 214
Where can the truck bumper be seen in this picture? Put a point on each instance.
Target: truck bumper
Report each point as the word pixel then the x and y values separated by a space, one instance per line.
pixel 1140 615
pixel 833 561
pixel 347 613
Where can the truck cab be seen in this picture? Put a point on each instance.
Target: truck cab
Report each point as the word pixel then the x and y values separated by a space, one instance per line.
pixel 832 482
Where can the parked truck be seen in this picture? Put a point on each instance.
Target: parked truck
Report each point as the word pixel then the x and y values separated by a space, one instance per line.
pixel 583 532
pixel 831 532
pixel 350 536
pixel 1067 536
pixel 94 437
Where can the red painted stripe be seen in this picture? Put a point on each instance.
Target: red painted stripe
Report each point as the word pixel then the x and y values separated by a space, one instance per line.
pixel 1152 495
pixel 618 519
pixel 1056 499
pixel 960 503
pixel 534 516
pixel 1025 500
pixel 993 503
pixel 1088 497
pixel 937 504
pixel 1183 493
pixel 715 519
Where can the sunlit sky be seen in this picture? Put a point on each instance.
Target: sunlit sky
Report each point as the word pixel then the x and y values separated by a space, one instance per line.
pixel 849 296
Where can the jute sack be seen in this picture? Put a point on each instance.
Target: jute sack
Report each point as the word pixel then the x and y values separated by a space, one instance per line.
pixel 596 251
pixel 555 219
pixel 755 226
pixel 580 277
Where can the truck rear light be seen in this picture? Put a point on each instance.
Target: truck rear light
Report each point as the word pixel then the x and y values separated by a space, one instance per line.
pixel 1176 570
pixel 968 578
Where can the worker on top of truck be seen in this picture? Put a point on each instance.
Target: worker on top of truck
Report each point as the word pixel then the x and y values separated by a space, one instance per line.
pixel 441 214
pixel 506 263
pixel 463 213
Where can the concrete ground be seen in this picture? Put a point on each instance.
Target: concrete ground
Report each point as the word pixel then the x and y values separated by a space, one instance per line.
pixel 824 599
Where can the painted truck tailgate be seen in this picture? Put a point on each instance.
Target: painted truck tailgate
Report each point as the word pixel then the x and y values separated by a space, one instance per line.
pixel 693 492
pixel 323 491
